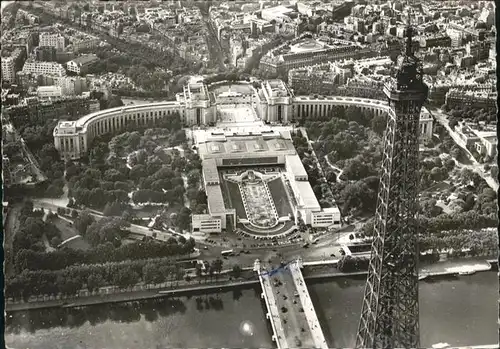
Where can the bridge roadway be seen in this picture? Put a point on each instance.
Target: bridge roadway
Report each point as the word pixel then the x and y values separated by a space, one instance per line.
pixel 298 325
pixel 307 305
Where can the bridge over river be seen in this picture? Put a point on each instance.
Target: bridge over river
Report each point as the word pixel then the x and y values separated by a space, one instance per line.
pixel 290 309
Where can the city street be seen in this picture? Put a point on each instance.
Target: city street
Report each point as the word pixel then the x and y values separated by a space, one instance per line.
pixel 216 53
pixel 323 250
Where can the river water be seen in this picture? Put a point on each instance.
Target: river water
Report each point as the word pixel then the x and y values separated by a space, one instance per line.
pixel 458 311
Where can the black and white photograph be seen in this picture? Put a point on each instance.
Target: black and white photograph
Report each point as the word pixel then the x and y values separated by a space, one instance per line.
pixel 250 174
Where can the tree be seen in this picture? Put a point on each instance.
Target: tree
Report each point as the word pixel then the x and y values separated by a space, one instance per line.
pixel 217 266
pixel 83 221
pixel 236 271
pixel 94 282
pixel 436 174
pixel 26 210
pixel 189 245
pixel 453 123
pixel 331 176
pixel 358 196
pixel 211 271
pixel 198 272
pixel 125 278
pixel 494 171
pixel 138 171
pixel 115 101
pixel 193 178
pixel 68 286
pixel 358 168
pixel 55 241
pixel 12 148
pixel 33 227
pixel 466 175
pixel 54 191
pixel 430 209
pixel 108 229
pixel 112 209
pixel 184 218
pixel 449 164
pixel 151 274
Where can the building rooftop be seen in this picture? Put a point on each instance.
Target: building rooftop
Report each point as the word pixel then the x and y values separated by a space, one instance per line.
pixel 85 59
pixel 210 173
pixel 306 195
pixel 129 108
pixel 215 199
pixel 296 166
pixel 275 88
pixel 258 146
pixel 278 11
pixel 307 43
pixel 196 91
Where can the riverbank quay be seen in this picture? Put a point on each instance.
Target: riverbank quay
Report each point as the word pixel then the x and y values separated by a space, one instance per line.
pixel 312 271
pixel 327 269
pixel 128 296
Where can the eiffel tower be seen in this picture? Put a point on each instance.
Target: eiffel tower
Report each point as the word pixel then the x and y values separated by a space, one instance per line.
pixel 389 315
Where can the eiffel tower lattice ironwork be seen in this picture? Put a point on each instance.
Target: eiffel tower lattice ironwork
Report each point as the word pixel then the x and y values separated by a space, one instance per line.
pixel 389 315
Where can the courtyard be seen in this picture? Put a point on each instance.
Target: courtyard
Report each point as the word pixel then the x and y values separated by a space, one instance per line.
pixel 237 115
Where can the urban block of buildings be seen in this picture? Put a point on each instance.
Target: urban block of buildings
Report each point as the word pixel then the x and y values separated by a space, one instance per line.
pixel 481 137
pixel 308 50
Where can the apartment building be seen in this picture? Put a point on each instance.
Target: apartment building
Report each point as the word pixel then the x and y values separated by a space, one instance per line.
pixel 311 52
pixel 82 44
pixel 46 92
pixel 456 36
pixel 476 99
pixel 45 54
pixel 435 41
pixel 8 70
pixel 62 107
pixel 48 68
pixel 321 78
pixel 72 85
pixel 55 40
pixel 479 50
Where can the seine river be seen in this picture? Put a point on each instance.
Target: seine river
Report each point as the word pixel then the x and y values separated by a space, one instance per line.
pixel 458 311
